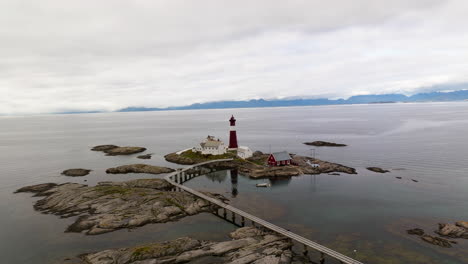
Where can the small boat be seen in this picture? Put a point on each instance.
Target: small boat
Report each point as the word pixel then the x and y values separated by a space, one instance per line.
pixel 263 185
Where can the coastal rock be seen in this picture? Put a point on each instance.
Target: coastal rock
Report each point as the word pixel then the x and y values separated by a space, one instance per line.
pixel 455 231
pixel 113 150
pixel 146 156
pixel 377 169
pixel 76 172
pixel 324 144
pixel 249 245
pixel 139 168
pixel 114 205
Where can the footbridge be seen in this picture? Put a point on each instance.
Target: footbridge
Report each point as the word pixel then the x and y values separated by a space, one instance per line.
pixel 180 176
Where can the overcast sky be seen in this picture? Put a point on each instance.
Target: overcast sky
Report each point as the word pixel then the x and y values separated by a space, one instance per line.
pixel 60 55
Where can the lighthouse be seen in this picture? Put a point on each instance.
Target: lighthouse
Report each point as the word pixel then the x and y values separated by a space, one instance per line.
pixel 232 134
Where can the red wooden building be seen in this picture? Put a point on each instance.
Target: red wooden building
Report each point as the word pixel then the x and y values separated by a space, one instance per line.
pixel 279 159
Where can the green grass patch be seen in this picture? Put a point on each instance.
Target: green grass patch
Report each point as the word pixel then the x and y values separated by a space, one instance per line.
pixel 172 202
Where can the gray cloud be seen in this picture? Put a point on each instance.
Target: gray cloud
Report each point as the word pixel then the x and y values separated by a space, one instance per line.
pixel 106 55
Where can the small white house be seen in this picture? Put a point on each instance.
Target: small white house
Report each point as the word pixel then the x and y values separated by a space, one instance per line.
pixel 211 146
pixel 244 152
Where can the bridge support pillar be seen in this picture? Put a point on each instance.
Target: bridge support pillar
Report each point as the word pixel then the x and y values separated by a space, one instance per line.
pixel 224 213
pixel 305 251
pixel 322 258
pixel 233 217
pixel 242 221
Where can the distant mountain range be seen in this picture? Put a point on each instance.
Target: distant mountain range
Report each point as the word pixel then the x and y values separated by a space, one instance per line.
pixel 359 99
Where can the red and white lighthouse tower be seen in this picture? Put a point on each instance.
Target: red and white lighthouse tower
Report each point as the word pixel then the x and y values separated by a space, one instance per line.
pixel 232 133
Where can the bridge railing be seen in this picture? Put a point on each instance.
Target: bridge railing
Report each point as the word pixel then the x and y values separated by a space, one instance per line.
pixel 178 177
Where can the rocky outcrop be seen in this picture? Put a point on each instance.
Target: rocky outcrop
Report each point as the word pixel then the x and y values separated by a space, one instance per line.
pixel 104 147
pixel 248 245
pixel 76 172
pixel 377 169
pixel 114 205
pixel 146 156
pixel 458 230
pixel 113 150
pixel 324 144
pixel 139 168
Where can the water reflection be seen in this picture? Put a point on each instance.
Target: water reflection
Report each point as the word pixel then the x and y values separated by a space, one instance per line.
pixel 280 182
pixel 234 176
pixel 217 176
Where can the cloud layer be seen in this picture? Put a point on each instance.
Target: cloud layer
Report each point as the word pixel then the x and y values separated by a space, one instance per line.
pixel 106 55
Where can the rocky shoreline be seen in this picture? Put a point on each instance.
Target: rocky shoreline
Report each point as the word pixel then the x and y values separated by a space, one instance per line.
pixel 247 245
pixel 254 167
pixel 110 206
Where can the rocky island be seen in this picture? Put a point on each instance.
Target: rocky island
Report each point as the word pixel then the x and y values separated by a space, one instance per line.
pixel 377 169
pixel 76 172
pixel 146 156
pixel 324 144
pixel 247 245
pixel 139 168
pixel 113 150
pixel 114 205
pixel 255 167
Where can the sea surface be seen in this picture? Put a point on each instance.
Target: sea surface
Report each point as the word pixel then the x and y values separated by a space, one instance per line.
pixel 364 215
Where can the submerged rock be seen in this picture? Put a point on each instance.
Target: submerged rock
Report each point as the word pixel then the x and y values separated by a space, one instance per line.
pixel 139 168
pixel 324 144
pixel 377 169
pixel 248 245
pixel 113 150
pixel 415 231
pixel 114 205
pixel 76 172
pixel 37 189
pixel 438 241
pixel 146 156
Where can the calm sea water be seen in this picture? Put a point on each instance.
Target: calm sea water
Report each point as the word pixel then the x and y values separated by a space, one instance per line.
pixel 363 215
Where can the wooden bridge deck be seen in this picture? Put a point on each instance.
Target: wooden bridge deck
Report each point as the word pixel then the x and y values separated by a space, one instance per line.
pixel 306 242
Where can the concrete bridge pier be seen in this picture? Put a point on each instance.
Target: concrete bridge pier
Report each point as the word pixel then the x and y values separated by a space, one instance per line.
pixel 322 258
pixel 242 221
pixel 233 217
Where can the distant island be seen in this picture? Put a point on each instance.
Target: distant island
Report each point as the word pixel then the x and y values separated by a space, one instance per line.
pixel 461 95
